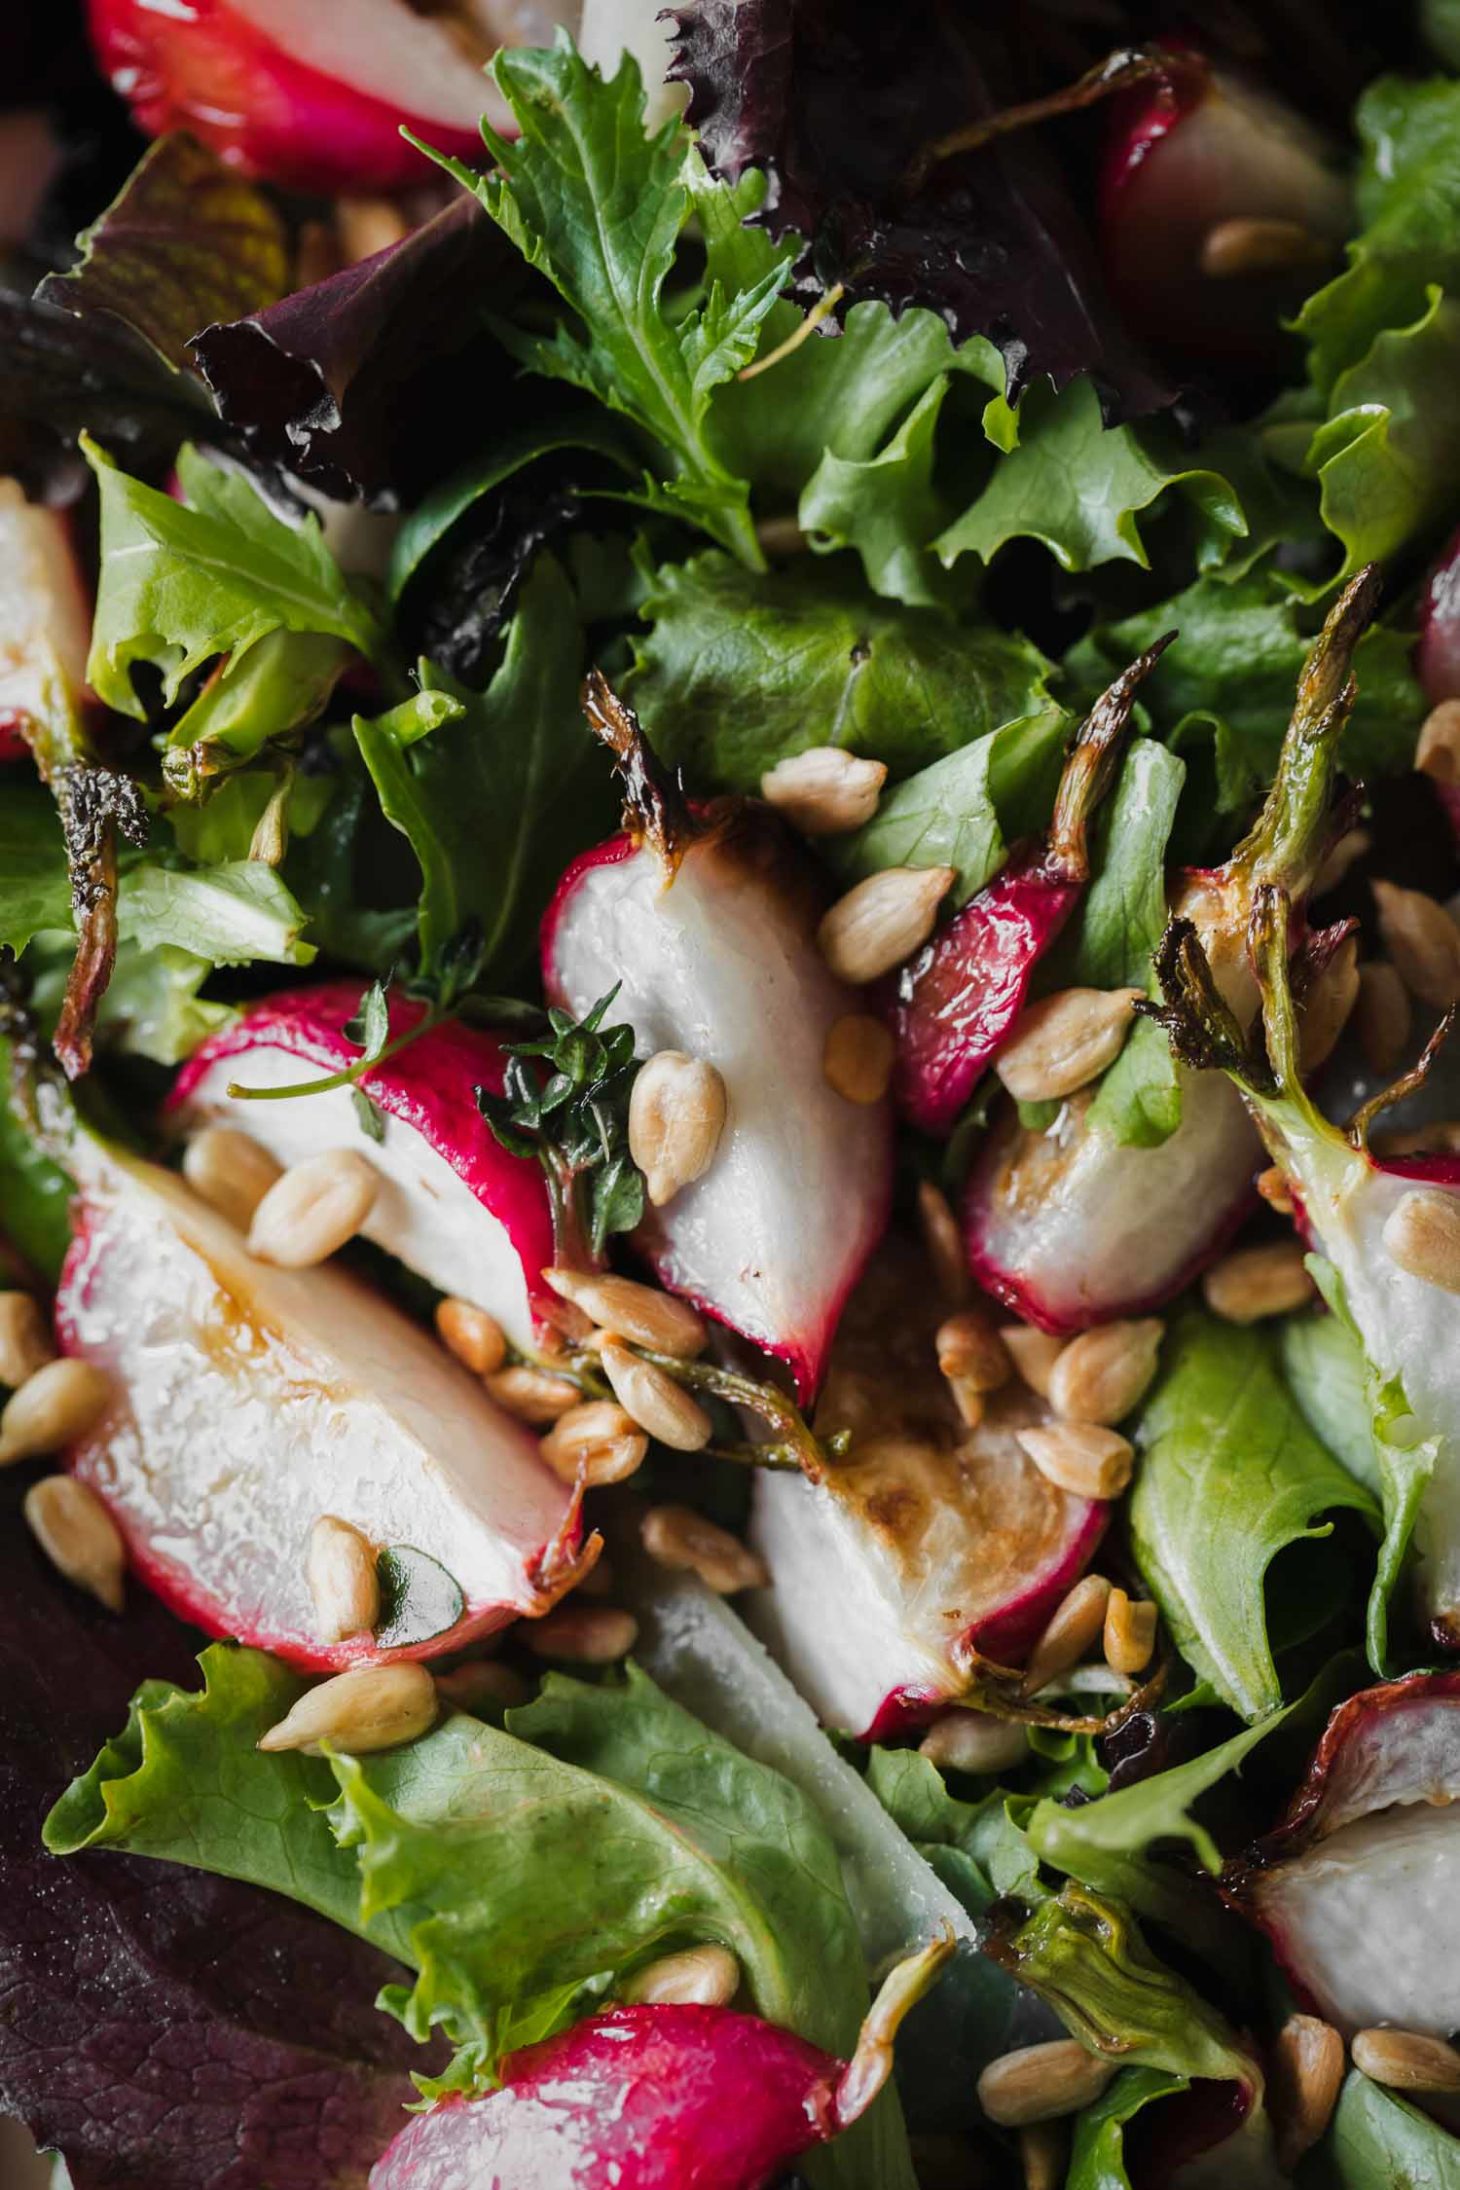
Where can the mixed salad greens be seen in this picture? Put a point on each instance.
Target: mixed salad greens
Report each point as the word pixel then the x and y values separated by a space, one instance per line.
pixel 729 1211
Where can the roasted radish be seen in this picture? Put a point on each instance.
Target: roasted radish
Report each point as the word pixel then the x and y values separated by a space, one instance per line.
pixel 1359 1886
pixel 707 922
pixel 958 999
pixel 1070 1226
pixel 249 1401
pixel 646 2098
pixel 452 1204
pixel 1437 651
pixel 1219 209
pixel 930 1544
pixel 314 97
pixel 45 620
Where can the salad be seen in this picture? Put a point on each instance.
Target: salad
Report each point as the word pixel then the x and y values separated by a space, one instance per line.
pixel 729 1175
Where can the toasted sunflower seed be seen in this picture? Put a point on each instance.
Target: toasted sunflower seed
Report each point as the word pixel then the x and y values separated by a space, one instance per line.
pixel 1130 1632
pixel 598 1441
pixel 1040 2083
pixel 343 1582
pixel 678 1537
pixel 943 1243
pixel 582 1634
pixel 659 1405
pixel 1423 942
pixel 1256 1282
pixel 1074 1627
pixel 1102 1374
pixel 1034 1354
pixel 1306 2072
pixel 78 1535
pixel 857 1058
pixel 882 920
pixel 677 1114
pixel 371 1707
pixel 1064 1041
pixel 476 1338
pixel 1083 1458
pixel 824 791
pixel 706 1976
pixel 1407 2060
pixel 639 1313
pixel 25 1339
pixel 532 1395
pixel 309 1212
pixel 56 1404
pixel 230 1171
pixel 1422 1234
pixel 972 1741
pixel 1437 754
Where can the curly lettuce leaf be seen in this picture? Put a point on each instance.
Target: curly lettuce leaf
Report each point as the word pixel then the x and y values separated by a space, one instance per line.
pixel 186 241
pixel 1229 1475
pixel 738 671
pixel 494 790
pixel 1081 487
pixel 231 915
pixel 184 582
pixel 35 886
pixel 598 205
pixel 508 1876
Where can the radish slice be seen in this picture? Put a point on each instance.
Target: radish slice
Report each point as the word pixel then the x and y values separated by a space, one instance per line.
pixel 453 1205
pixel 1185 156
pixel 928 1543
pixel 312 97
pixel 1437 652
pixel 45 619
pixel 251 1400
pixel 1359 1886
pixel 649 2098
pixel 718 957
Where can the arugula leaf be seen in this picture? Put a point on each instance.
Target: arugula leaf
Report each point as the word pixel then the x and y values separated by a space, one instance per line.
pixel 35 887
pixel 1235 668
pixel 1406 1461
pixel 598 205
pixel 738 671
pixel 494 790
pixel 963 811
pixel 1229 1475
pixel 1113 934
pixel 185 241
pixel 1079 487
pixel 183 582
pixel 230 915
pixel 1409 207
pixel 1377 2137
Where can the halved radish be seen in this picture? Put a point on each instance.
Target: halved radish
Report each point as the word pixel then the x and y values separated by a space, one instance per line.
pixel 958 998
pixel 1359 1887
pixel 712 942
pixel 45 619
pixel 653 2098
pixel 929 1543
pixel 453 1205
pixel 1070 1226
pixel 1219 208
pixel 251 1400
pixel 313 96
pixel 1437 650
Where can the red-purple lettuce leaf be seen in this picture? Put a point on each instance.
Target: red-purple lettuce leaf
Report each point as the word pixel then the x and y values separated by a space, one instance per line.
pixel 834 100
pixel 367 383
pixel 185 241
pixel 165 2029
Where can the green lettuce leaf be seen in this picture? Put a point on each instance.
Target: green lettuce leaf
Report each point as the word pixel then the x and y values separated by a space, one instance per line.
pixel 279 686
pixel 1327 1373
pixel 1229 1475
pixel 35 1195
pixel 738 671
pixel 151 1008
pixel 1097 2152
pixel 508 1877
pixel 1114 932
pixel 1409 211
pixel 495 790
pixel 1378 2141
pixel 887 507
pixel 1080 487
pixel 965 810
pixel 230 915
pixel 35 887
pixel 598 206
pixel 183 582
pixel 1234 670
pixel 186 242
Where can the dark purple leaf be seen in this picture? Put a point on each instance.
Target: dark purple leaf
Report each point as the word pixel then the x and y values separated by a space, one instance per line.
pixel 365 383
pixel 166 2029
pixel 835 100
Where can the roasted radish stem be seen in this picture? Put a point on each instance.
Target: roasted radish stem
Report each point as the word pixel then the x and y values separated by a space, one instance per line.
pixel 1358 1887
pixel 1219 211
pixel 644 2096
pixel 1071 1227
pixel 931 1544
pixel 453 1204
pixel 957 1000
pixel 707 921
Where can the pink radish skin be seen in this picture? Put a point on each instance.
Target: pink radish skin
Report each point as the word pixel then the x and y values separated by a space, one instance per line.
pixel 658 2098
pixel 1358 1887
pixel 721 961
pixel 310 97
pixel 453 1205
pixel 45 619
pixel 251 1400
pixel 958 999
pixel 928 1544
pixel 1437 656
pixel 1183 156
